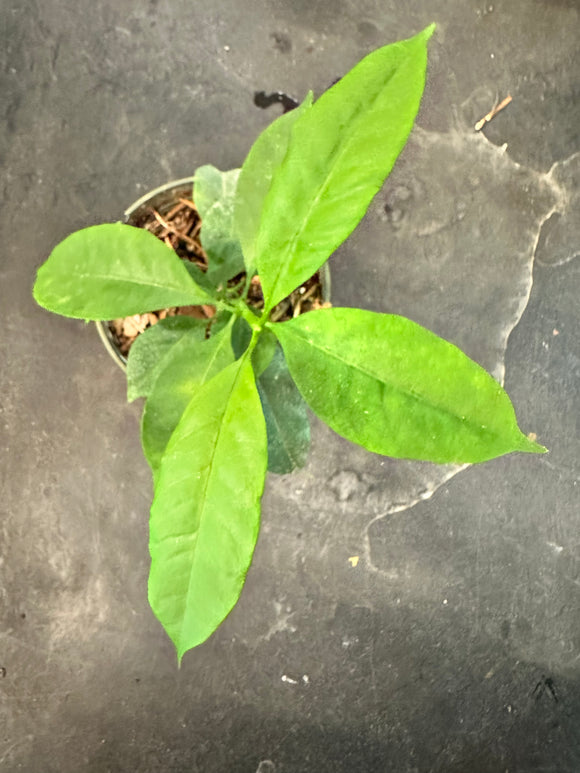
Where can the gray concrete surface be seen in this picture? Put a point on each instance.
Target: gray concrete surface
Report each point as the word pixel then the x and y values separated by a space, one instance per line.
pixel 454 644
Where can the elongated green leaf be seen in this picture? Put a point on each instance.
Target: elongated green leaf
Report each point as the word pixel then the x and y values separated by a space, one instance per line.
pixel 264 352
pixel 186 366
pixel 214 194
pixel 113 270
pixel 397 389
pixel 340 152
pixel 149 349
pixel 241 336
pixel 206 512
pixel 262 162
pixel 287 425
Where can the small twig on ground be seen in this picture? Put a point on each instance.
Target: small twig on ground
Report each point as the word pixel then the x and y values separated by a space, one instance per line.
pixel 492 113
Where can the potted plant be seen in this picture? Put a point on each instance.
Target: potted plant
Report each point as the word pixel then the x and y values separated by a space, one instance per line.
pixel 379 380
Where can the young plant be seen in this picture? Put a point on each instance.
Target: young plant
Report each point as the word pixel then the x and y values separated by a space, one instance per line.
pixel 220 410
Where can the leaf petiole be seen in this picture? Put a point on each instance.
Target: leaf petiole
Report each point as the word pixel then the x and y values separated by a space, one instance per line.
pixel 242 310
pixel 223 305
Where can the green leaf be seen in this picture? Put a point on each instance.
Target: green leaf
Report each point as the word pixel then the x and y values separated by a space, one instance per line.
pixel 206 512
pixel 217 323
pixel 264 349
pixel 397 389
pixel 149 349
pixel 340 152
pixel 114 270
pixel 262 162
pixel 200 278
pixel 214 195
pixel 241 337
pixel 186 366
pixel 284 409
pixel 287 424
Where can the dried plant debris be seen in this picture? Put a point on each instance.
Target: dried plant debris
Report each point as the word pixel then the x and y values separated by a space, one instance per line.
pixel 492 113
pixel 180 229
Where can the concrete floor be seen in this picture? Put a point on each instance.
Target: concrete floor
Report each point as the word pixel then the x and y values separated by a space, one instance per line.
pixel 454 644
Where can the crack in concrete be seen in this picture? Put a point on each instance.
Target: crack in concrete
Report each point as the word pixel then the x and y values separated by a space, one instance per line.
pixel 470 282
pixel 562 195
pixel 562 240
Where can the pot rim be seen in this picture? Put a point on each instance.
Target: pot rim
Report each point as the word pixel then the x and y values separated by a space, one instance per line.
pixel 160 189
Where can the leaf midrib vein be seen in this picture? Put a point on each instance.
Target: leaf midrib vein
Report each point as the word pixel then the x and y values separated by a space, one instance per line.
pixel 322 189
pixel 130 281
pixel 202 500
pixel 408 393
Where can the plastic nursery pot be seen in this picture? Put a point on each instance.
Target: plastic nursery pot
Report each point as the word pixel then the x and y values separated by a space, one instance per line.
pixel 162 200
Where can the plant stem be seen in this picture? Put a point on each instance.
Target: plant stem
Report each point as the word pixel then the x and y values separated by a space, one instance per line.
pixel 253 321
pixel 249 277
pixel 223 305
pixel 264 318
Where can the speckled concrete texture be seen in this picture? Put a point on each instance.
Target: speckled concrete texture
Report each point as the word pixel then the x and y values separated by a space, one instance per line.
pixel 453 644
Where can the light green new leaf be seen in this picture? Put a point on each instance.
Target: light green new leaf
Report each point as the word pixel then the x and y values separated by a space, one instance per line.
pixel 287 424
pixel 340 152
pixel 262 162
pixel 186 366
pixel 206 512
pixel 149 349
pixel 114 270
pixel 214 195
pixel 397 389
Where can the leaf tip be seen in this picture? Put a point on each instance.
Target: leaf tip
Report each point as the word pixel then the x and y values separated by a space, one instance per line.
pixel 182 648
pixel 528 444
pixel 428 31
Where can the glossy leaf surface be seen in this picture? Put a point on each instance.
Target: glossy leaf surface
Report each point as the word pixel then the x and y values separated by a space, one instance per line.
pixel 287 424
pixel 264 350
pixel 114 270
pixel 149 349
pixel 186 366
pixel 262 162
pixel 206 512
pixel 397 389
pixel 214 194
pixel 241 336
pixel 340 152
